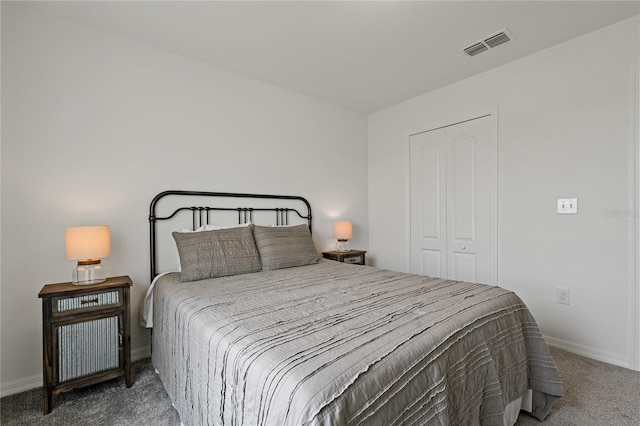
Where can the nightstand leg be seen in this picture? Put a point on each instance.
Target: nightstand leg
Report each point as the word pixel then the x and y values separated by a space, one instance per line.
pixel 47 398
pixel 47 355
pixel 127 371
pixel 127 341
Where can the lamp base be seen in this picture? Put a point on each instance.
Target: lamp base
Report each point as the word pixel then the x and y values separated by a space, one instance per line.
pixel 87 274
pixel 342 245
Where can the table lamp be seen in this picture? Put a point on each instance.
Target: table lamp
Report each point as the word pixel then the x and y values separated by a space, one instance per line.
pixel 342 231
pixel 87 245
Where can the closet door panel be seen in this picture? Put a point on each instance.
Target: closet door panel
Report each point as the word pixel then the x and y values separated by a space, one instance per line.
pixel 428 203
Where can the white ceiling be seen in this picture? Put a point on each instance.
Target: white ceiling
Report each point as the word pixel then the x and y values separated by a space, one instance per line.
pixel 362 55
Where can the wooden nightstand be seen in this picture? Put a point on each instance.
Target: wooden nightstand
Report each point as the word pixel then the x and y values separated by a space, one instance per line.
pixel 86 335
pixel 354 257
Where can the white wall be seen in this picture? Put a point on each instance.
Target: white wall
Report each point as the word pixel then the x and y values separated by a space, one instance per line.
pixel 94 126
pixel 564 130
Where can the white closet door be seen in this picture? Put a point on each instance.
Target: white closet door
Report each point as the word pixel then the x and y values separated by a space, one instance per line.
pixel 453 202
pixel 428 203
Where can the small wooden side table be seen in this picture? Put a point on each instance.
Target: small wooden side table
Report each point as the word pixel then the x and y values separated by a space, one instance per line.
pixel 354 257
pixel 86 335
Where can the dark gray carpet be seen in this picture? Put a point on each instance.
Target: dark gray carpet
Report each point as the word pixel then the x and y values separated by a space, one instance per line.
pixel 595 394
pixel 108 403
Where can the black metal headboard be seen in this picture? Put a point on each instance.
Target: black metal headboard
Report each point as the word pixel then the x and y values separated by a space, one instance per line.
pixel 200 215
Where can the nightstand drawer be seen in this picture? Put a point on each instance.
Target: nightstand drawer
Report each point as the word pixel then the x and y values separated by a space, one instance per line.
pixel 87 302
pixel 354 259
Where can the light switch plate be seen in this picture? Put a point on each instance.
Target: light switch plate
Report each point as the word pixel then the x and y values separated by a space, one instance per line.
pixel 567 206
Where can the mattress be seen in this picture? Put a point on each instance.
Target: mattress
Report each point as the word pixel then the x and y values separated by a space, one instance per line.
pixel 336 344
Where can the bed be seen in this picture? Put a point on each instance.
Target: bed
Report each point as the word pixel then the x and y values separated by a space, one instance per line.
pixel 291 339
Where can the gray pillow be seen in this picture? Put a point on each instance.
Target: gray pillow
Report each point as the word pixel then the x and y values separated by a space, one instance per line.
pixel 284 246
pixel 210 254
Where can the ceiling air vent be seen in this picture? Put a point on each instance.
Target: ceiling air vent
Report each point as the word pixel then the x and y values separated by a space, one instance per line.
pixel 495 39
pixel 474 49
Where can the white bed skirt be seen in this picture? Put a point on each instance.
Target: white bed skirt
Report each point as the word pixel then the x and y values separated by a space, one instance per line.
pixel 512 410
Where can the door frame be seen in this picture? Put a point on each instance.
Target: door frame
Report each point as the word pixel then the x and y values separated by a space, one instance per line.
pixel 448 121
pixel 634 218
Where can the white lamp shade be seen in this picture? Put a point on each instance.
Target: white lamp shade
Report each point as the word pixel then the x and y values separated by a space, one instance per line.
pixel 343 230
pixel 87 242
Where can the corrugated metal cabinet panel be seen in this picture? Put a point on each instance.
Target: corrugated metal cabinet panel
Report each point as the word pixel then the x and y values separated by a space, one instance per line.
pixel 87 302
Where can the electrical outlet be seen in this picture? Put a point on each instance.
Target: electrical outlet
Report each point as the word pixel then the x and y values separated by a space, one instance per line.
pixel 563 295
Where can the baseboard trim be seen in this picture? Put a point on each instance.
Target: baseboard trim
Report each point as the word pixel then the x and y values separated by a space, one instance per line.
pixel 20 385
pixel 35 381
pixel 589 352
pixel 140 353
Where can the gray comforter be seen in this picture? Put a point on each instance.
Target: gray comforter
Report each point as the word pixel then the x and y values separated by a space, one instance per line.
pixel 338 344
